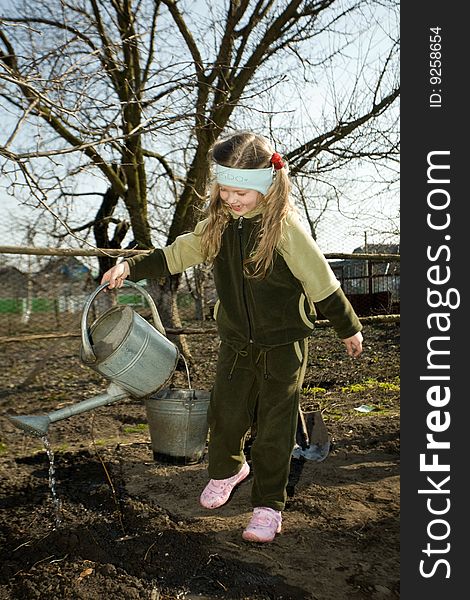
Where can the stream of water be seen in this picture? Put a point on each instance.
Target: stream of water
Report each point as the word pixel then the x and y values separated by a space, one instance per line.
pixel 187 371
pixel 56 504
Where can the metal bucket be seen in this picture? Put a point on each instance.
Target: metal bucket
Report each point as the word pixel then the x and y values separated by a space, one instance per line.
pixel 178 426
pixel 123 347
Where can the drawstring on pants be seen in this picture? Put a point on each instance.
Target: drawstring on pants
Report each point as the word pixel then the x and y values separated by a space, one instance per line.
pixel 237 354
pixel 264 354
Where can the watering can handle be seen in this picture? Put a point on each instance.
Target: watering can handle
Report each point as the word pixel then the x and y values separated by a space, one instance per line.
pixel 88 353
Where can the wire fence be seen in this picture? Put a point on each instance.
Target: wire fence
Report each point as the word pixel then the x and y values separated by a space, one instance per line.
pixel 48 298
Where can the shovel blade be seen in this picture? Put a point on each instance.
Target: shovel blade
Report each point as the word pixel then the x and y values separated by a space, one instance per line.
pixel 315 452
pixel 313 439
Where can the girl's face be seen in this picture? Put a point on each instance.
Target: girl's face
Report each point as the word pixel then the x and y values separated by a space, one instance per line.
pixel 239 200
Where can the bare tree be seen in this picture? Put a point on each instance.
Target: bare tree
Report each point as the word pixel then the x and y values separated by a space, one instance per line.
pixel 127 97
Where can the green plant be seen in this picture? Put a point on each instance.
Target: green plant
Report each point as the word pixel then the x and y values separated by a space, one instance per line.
pixel 100 442
pixel 139 428
pixel 370 384
pixel 313 391
pixel 62 448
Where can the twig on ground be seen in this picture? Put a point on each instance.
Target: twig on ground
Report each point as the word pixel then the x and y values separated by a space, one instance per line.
pixel 108 477
pixel 148 549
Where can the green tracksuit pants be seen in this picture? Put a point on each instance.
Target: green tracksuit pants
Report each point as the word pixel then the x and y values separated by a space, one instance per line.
pixel 259 385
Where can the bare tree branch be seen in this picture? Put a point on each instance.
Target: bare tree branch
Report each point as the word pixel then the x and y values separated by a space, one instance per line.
pixel 306 152
pixel 124 101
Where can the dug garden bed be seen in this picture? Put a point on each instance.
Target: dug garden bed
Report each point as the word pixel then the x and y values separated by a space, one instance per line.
pixel 129 526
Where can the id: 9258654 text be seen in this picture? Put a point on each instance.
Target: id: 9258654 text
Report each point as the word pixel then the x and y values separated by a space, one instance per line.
pixel 435 67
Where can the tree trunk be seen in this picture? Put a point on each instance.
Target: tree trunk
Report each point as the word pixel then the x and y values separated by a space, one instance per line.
pixel 164 295
pixel 101 229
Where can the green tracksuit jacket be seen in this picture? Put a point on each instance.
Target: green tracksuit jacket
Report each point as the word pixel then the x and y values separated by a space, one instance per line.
pixel 276 310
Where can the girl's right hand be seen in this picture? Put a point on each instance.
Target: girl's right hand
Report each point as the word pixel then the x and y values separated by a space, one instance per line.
pixel 116 275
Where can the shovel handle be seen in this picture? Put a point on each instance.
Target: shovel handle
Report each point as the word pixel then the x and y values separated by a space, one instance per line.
pixel 301 435
pixel 88 354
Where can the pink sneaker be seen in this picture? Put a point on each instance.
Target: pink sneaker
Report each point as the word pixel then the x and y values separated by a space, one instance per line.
pixel 264 525
pixel 217 491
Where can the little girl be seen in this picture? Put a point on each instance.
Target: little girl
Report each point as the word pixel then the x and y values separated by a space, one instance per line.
pixel 269 275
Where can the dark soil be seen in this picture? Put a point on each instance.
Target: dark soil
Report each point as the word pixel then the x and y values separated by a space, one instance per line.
pixel 131 527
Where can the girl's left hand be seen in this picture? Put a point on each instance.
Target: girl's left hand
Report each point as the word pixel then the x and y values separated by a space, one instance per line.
pixel 354 344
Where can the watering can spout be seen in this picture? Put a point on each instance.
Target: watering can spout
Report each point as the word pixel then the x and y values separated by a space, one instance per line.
pixel 38 425
pixel 32 424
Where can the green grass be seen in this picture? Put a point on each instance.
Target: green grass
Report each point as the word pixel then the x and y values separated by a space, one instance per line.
pixel 62 448
pixel 313 391
pixel 139 428
pixel 101 442
pixel 372 384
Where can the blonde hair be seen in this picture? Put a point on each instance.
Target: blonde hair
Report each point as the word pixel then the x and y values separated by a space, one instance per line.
pixel 246 150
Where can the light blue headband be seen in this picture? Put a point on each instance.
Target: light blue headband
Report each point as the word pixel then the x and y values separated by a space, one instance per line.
pixel 246 179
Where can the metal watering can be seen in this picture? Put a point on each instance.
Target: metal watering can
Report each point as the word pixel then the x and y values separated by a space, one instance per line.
pixel 123 347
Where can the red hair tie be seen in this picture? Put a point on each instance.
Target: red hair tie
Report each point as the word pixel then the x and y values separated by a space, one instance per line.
pixel 276 161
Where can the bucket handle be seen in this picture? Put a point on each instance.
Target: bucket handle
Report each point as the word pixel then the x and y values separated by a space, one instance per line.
pixel 88 354
pixel 190 402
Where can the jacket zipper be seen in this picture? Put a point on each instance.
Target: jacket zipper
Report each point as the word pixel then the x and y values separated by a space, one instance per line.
pixel 240 229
